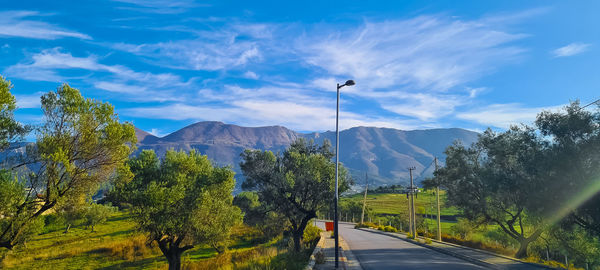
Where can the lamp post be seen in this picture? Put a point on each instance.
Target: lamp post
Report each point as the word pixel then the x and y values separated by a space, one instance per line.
pixel 337 158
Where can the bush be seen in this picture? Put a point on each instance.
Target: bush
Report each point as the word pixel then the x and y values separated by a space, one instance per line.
pixel 463 228
pixel 97 214
pixel 311 235
pixel 477 244
pixel 428 241
pixel 409 235
pixel 360 225
pixel 381 228
pixel 390 229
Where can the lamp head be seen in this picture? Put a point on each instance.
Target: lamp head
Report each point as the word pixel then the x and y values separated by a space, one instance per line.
pixel 349 83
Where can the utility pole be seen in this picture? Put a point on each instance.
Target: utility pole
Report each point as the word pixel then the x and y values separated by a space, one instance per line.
pixel 437 195
pixel 409 214
pixel 362 216
pixel 412 203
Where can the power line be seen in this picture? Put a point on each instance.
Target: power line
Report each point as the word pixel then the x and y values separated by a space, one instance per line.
pixel 594 102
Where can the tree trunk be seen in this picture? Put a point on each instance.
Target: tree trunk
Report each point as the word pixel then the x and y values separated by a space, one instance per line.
pixel 299 231
pixel 67 228
pixel 297 238
pixel 174 258
pixel 173 252
pixel 522 252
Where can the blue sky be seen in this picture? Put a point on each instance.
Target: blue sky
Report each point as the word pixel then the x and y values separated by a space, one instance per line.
pixel 417 64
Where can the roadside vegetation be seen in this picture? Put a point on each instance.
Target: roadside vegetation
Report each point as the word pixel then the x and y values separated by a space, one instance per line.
pixel 77 197
pixel 529 192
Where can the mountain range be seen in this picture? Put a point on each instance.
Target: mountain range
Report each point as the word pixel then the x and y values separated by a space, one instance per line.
pixel 383 153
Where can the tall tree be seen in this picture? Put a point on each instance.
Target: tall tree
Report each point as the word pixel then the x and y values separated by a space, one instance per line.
pixel 573 186
pixel 180 201
pixel 79 145
pixel 297 183
pixel 498 180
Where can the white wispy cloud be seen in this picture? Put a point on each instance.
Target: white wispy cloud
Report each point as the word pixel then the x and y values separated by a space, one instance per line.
pixel 504 115
pixel 222 49
pixel 250 75
pixel 417 70
pixel 571 49
pixel 160 6
pixel 21 24
pixel 427 52
pixel 250 113
pixel 140 86
pixel 28 101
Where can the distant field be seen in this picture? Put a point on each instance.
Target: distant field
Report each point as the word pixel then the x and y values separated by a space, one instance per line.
pixel 394 204
pixel 115 245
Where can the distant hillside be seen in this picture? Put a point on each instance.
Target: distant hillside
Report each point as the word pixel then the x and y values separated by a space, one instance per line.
pixel 384 153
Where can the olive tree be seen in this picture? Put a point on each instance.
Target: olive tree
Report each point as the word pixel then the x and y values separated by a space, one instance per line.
pixel 499 180
pixel 296 183
pixel 80 143
pixel 180 201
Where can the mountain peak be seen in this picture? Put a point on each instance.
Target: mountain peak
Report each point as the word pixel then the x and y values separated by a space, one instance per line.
pixel 144 137
pixel 382 152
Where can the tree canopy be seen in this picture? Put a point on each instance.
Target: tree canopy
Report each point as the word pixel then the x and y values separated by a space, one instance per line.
pixel 180 201
pixel 296 183
pixel 526 179
pixel 80 144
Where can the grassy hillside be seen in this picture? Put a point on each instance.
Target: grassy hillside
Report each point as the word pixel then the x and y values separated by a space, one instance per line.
pixel 118 245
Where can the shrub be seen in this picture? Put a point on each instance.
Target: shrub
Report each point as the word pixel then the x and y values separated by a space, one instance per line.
pixel 463 228
pixel 97 214
pixel 390 229
pixel 311 235
pixel 428 241
pixel 360 225
pixel 409 235
pixel 381 228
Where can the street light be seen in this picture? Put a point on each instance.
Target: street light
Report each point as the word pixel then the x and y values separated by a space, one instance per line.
pixel 337 157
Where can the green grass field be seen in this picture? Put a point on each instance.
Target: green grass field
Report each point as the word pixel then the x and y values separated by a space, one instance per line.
pixel 393 204
pixel 118 245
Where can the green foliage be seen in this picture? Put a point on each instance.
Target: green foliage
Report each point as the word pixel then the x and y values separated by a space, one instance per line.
pixel 97 214
pixel 497 180
pixel 256 214
pixel 528 178
pixel 390 229
pixel 294 183
pixel 10 129
pixel 573 165
pixel 463 228
pixel 501 237
pixel 79 145
pixel 311 235
pixel 180 201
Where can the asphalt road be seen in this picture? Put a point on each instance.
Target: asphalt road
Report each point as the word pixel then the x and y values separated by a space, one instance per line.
pixel 376 251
